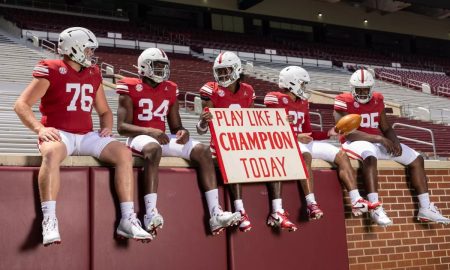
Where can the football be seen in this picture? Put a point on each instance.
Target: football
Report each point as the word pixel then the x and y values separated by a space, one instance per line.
pixel 348 124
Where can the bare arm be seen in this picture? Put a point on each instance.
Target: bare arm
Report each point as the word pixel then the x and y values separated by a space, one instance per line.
pixel 34 91
pixel 395 148
pixel 104 113
pixel 205 117
pixel 175 125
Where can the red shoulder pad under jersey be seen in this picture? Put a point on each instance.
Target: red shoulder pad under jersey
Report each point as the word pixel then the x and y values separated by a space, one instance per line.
pixel 127 85
pixel 341 101
pixel 272 99
pixel 207 90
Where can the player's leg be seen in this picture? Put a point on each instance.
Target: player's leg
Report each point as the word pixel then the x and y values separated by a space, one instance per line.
pixel 201 156
pixel 368 153
pixel 278 217
pixel 236 197
pixel 111 151
pixel 415 163
pixel 53 153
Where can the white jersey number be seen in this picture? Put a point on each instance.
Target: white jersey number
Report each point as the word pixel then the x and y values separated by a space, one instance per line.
pixel 85 101
pixel 147 107
pixel 369 120
pixel 299 119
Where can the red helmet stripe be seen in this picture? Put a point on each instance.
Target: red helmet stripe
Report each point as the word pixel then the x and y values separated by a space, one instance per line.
pixel 362 75
pixel 220 58
pixel 162 52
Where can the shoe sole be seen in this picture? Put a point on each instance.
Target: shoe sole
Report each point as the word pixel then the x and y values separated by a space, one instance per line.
pixel 55 242
pixel 246 228
pixel 423 219
pixel 121 235
pixel 274 224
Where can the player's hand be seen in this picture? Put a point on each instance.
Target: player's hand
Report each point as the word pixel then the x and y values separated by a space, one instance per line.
pixel 389 145
pixel 304 138
pixel 105 132
pixel 160 136
pixel 49 134
pixel 397 149
pixel 332 132
pixel 205 118
pixel 182 136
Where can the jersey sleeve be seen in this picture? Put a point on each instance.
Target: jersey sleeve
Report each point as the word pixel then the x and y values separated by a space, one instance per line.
pixel 207 91
pixel 41 70
pixel 340 104
pixel 122 87
pixel 271 101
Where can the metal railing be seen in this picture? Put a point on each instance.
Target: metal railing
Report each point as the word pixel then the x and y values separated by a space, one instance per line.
pixel 443 91
pixel 49 46
pixel 104 68
pixel 432 144
pixel 186 101
pixel 126 72
pixel 414 83
pixel 320 125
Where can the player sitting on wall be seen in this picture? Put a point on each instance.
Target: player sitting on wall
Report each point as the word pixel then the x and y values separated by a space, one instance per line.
pixel 68 89
pixel 375 139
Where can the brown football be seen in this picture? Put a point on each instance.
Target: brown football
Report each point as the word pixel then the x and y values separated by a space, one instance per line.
pixel 348 123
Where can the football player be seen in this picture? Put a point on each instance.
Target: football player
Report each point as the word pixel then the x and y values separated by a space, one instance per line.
pixel 293 97
pixel 375 139
pixel 228 91
pixel 144 106
pixel 68 90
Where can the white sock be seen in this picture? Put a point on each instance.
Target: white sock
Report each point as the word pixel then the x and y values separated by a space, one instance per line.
pixel 424 200
pixel 239 205
pixel 150 202
pixel 49 208
pixel 212 199
pixel 310 199
pixel 277 206
pixel 354 195
pixel 373 197
pixel 126 208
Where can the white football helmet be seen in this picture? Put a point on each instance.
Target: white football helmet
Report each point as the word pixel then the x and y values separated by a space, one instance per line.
pixel 362 79
pixel 231 62
pixel 295 78
pixel 147 68
pixel 74 41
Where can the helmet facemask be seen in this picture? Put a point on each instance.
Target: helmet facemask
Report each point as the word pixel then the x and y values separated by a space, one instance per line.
pixel 226 75
pixel 362 94
pixel 157 70
pixel 299 90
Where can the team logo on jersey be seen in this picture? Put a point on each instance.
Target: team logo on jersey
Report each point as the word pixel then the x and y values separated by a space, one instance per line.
pixel 356 104
pixel 221 93
pixel 166 89
pixel 245 94
pixel 285 100
pixel 139 87
pixel 63 70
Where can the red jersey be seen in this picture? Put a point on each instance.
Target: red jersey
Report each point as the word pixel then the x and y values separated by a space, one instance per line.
pixel 150 105
pixel 67 104
pixel 370 112
pixel 298 108
pixel 221 97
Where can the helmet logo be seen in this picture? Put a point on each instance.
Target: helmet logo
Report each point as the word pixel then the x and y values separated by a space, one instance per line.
pixel 63 70
pixel 221 93
pixel 285 100
pixel 139 87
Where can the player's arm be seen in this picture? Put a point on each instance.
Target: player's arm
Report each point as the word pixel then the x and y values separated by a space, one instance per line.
pixel 357 135
pixel 23 108
pixel 205 117
pixel 104 113
pixel 389 133
pixel 175 125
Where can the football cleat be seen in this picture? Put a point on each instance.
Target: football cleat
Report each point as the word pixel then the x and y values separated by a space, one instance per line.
pixel 432 214
pixel 153 222
pixel 363 206
pixel 50 232
pixel 130 227
pixel 314 211
pixel 379 216
pixel 281 220
pixel 222 219
pixel 244 224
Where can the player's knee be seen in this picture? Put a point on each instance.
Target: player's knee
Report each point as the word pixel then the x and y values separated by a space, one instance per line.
pixel 201 153
pixel 152 151
pixel 51 157
pixel 370 161
pixel 307 157
pixel 419 162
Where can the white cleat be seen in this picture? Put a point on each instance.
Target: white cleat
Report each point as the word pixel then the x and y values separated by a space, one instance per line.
pixel 130 227
pixel 432 214
pixel 153 222
pixel 379 216
pixel 363 206
pixel 220 220
pixel 50 232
